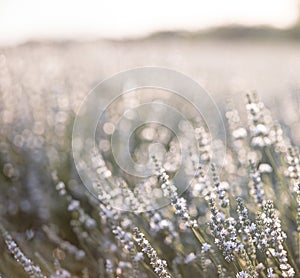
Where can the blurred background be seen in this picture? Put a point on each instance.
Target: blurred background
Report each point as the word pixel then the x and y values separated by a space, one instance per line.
pixel 229 47
pixel 37 20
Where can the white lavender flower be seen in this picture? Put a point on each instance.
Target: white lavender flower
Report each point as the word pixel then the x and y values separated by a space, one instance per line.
pixel 204 145
pixel 159 266
pixel 221 188
pixel 242 274
pixel 259 122
pixel 270 272
pixel 29 267
pixel 170 191
pixel 225 233
pixel 256 185
pixel 247 228
pixel 206 247
pixel 270 237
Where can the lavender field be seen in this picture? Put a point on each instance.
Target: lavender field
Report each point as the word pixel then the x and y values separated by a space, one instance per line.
pixel 236 213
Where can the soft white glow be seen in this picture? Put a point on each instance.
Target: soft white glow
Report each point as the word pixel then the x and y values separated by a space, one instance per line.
pixel 65 19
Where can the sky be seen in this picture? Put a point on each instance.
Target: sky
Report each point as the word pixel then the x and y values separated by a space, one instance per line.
pixel 21 21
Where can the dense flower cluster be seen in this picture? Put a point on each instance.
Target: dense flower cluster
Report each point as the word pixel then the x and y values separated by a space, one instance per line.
pixel 224 231
pixel 270 237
